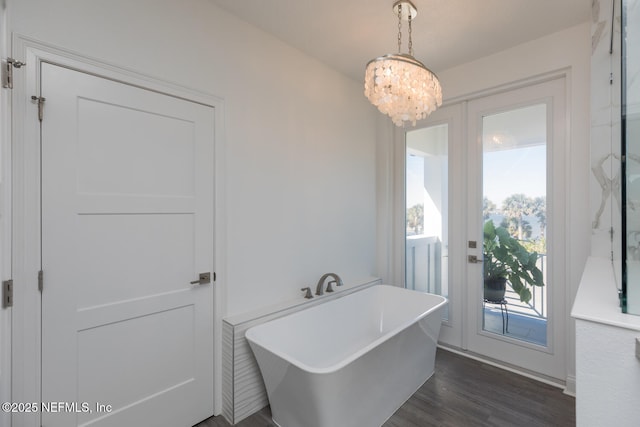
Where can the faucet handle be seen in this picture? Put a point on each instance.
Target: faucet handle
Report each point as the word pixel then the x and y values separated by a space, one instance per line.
pixel 307 291
pixel 329 288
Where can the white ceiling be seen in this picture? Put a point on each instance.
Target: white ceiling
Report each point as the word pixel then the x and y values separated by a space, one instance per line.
pixel 347 34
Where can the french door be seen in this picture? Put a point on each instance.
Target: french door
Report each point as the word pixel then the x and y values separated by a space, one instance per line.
pixel 498 210
pixel 433 191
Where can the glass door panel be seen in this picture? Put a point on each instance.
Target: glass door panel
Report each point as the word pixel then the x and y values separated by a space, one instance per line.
pixel 631 156
pixel 514 183
pixel 434 192
pixel 427 240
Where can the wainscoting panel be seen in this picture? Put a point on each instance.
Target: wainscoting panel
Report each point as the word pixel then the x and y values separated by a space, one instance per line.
pixel 243 389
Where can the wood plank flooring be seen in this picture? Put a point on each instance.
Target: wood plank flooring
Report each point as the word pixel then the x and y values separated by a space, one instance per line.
pixel 465 392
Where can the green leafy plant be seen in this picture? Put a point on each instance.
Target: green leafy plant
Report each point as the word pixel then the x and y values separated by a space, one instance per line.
pixel 504 257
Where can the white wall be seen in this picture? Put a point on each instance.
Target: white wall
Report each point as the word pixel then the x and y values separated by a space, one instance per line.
pixel 299 182
pixel 568 49
pixel 300 138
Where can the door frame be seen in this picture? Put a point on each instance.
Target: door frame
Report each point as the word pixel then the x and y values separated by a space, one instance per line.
pixel 25 207
pixel 562 228
pixel 5 219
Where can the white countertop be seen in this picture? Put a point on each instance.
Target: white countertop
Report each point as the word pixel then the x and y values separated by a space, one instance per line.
pixel 597 297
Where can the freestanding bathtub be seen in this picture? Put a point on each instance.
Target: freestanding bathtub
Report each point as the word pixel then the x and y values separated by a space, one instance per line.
pixel 349 362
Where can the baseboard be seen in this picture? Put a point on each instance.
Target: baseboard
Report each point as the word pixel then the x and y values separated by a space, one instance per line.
pixel 570 385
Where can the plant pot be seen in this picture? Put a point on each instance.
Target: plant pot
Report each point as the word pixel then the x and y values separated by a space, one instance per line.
pixel 494 289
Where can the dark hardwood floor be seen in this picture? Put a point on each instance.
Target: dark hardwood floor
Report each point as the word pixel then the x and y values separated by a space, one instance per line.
pixel 465 392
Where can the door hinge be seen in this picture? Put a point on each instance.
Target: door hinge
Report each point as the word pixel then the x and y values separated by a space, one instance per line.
pixel 40 280
pixel 7 72
pixel 7 293
pixel 40 100
pixel 214 276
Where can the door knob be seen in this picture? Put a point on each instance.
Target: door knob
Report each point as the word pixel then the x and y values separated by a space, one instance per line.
pixel 473 259
pixel 203 279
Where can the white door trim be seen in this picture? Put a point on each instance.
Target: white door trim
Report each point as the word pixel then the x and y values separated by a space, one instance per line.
pixel 25 205
pixel 5 221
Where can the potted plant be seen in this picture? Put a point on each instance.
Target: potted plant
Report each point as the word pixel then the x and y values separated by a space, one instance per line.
pixel 505 259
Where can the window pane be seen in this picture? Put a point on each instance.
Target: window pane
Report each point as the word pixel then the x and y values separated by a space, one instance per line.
pixel 514 217
pixel 427 210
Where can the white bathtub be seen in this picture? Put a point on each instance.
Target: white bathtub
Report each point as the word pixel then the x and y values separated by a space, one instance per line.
pixel 349 362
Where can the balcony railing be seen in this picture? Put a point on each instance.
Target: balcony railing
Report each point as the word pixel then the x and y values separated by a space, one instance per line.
pixel 537 306
pixel 424 272
pixel 424 264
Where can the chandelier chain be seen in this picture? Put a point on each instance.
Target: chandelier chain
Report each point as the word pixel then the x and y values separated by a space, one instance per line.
pixel 410 40
pixel 400 28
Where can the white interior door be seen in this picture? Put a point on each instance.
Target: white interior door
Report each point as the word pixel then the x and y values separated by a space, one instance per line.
pixel 127 224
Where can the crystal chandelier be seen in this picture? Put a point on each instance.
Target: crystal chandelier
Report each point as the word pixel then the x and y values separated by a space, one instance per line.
pixel 400 85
